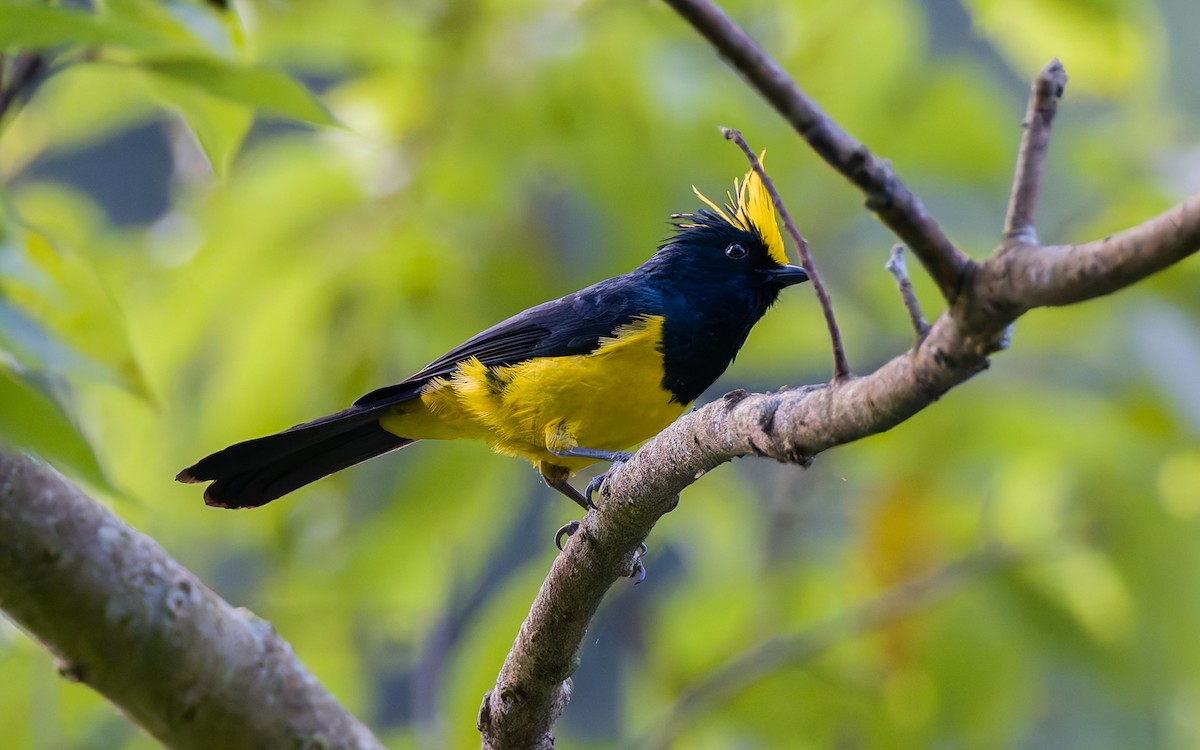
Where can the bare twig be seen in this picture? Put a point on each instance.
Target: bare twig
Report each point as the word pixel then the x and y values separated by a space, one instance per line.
pixel 129 621
pixel 793 649
pixel 897 267
pixel 841 370
pixel 1047 89
pixel 886 195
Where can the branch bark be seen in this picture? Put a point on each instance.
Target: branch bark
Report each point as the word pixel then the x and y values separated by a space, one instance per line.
pixel 129 621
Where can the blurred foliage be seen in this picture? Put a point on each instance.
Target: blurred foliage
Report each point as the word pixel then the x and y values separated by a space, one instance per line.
pixel 457 161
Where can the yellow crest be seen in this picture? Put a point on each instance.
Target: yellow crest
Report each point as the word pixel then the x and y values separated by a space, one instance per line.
pixel 749 208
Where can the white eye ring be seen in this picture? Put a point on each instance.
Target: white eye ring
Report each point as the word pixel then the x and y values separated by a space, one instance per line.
pixel 736 252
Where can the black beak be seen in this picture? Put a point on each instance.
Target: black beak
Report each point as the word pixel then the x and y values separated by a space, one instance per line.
pixel 786 275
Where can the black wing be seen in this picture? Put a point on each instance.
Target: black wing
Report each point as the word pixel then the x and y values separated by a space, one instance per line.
pixel 570 325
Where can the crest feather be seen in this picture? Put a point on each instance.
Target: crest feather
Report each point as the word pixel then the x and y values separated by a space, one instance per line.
pixel 750 209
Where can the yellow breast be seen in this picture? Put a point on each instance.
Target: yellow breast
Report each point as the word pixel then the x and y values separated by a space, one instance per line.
pixel 609 399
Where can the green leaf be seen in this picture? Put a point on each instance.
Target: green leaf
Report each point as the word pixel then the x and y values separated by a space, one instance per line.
pixel 261 88
pixel 1109 46
pixel 41 26
pixel 31 420
pixel 219 125
pixel 40 349
pixel 48 287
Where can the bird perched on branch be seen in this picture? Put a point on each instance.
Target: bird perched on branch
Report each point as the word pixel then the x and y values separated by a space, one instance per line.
pixel 564 384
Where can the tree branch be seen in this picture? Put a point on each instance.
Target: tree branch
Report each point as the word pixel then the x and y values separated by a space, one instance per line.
pixel 887 196
pixel 132 623
pixel 1023 277
pixel 795 425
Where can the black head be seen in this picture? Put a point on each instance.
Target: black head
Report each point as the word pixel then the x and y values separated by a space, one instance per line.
pixel 716 258
pixel 732 256
pixel 721 271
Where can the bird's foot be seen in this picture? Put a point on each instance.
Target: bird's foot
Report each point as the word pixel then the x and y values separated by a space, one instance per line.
pixel 597 481
pixel 637 570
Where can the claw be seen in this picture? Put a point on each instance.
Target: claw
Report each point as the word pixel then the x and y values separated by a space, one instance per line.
pixel 594 486
pixel 639 568
pixel 597 481
pixel 567 529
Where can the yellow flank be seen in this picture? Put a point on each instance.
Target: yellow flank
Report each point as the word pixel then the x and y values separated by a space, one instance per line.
pixel 610 400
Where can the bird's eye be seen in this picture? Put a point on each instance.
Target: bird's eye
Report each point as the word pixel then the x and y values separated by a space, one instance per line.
pixel 736 252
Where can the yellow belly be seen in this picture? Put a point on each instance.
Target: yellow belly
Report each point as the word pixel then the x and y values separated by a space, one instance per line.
pixel 609 399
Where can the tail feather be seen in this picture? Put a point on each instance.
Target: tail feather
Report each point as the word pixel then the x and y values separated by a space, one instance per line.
pixel 253 473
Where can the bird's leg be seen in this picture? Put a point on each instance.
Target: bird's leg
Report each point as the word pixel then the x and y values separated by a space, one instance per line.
pixel 593 453
pixel 556 477
pixel 615 457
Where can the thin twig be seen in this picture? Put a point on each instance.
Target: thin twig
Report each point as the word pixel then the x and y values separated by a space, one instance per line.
pixel 793 649
pixel 25 71
pixel 887 196
pixel 1047 89
pixel 841 370
pixel 897 267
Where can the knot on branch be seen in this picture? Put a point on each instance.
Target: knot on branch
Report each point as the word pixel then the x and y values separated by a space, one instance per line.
pixel 766 415
pixel 735 397
pixel 801 458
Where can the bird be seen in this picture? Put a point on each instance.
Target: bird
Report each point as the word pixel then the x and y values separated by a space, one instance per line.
pixel 564 384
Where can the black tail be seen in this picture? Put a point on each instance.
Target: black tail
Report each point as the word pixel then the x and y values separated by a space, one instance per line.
pixel 253 473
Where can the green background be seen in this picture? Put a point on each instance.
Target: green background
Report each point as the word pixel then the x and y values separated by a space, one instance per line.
pixel 196 250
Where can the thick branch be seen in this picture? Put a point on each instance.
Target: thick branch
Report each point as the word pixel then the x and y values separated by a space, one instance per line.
pixel 794 426
pixel 1023 277
pixel 886 195
pixel 126 619
pixel 534 685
